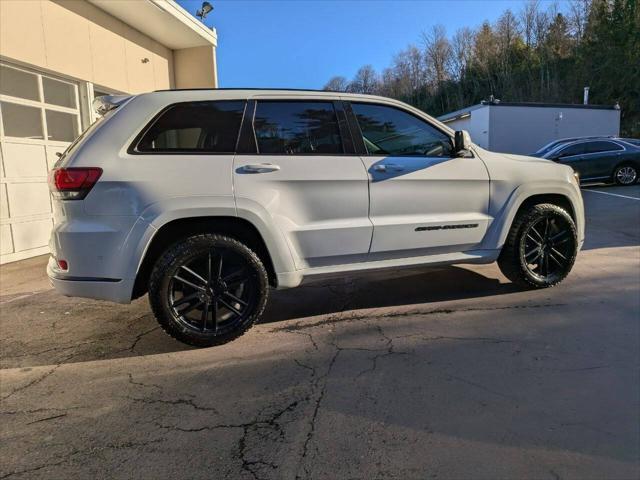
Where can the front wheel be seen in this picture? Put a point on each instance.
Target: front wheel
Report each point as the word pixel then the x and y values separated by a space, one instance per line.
pixel 208 289
pixel 541 247
pixel 625 175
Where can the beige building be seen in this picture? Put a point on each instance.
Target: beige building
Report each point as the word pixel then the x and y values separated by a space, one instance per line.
pixel 56 56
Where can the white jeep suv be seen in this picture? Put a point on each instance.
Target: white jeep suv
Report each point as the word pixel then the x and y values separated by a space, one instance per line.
pixel 207 198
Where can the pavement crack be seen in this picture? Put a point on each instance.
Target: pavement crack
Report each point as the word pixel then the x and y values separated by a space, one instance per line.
pixel 179 401
pixel 312 424
pixel 47 419
pixel 139 337
pixel 389 351
pixel 482 387
pixel 264 427
pixel 30 384
pixel 140 384
pixel 33 469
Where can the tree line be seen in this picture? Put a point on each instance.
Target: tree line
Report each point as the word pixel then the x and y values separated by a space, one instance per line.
pixel 534 55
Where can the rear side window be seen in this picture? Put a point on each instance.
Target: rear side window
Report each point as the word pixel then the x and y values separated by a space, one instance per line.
pixel 576 149
pixel 390 131
pixel 595 147
pixel 195 127
pixel 293 128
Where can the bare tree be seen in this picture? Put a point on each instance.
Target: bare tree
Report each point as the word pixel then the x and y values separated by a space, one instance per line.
pixel 578 15
pixel 365 81
pixel 337 84
pixel 408 71
pixel 507 29
pixel 461 51
pixel 541 26
pixel 528 16
pixel 437 55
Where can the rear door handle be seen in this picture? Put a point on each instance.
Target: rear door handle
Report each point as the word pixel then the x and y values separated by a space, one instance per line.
pixel 388 166
pixel 261 168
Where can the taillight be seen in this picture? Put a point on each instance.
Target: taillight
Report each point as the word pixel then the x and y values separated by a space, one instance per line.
pixel 73 183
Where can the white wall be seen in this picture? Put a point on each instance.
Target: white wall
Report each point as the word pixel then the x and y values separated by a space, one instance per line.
pixel 477 124
pixel 524 129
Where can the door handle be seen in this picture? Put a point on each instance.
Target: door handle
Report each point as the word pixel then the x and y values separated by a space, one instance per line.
pixel 261 168
pixel 388 166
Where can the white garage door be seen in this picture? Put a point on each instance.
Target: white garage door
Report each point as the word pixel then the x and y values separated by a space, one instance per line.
pixel 39 116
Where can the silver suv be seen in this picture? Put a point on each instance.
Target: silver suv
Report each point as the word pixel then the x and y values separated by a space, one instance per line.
pixel 207 198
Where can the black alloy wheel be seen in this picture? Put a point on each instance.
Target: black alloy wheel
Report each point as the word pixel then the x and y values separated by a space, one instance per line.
pixel 208 289
pixel 541 247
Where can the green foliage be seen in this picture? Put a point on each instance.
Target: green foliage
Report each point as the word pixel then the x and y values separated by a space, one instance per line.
pixel 544 56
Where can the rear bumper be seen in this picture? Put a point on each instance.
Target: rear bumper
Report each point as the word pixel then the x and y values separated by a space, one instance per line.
pixel 114 290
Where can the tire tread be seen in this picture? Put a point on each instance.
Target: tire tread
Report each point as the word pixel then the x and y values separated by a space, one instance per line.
pixel 509 259
pixel 169 257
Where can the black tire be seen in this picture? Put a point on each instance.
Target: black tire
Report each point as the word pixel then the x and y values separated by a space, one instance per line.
pixel 523 255
pixel 625 174
pixel 208 289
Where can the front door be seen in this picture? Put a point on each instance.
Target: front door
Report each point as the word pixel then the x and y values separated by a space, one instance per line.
pixel 423 199
pixel 305 177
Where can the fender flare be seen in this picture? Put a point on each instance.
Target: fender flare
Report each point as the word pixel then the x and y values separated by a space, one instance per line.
pixel 160 214
pixel 497 234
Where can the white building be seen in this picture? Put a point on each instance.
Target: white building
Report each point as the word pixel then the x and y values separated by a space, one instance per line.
pixel 525 127
pixel 55 57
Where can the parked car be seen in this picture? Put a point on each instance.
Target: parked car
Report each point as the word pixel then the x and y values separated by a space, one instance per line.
pixel 606 159
pixel 556 143
pixel 207 198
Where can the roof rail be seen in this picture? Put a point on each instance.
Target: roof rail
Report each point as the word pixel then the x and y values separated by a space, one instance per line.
pixel 249 88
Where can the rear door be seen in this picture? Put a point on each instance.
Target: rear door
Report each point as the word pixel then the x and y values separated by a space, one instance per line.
pixel 296 164
pixel 423 198
pixel 601 157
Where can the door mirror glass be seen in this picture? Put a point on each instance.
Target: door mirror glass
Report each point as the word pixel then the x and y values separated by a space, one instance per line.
pixel 462 141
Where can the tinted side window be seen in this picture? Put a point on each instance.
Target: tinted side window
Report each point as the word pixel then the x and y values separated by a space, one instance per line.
pixel 291 128
pixel 198 127
pixel 595 147
pixel 576 149
pixel 390 131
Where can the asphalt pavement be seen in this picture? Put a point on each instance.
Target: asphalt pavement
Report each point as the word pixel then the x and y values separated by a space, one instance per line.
pixel 450 373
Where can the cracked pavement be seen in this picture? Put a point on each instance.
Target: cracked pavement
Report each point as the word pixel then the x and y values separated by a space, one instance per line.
pixel 446 373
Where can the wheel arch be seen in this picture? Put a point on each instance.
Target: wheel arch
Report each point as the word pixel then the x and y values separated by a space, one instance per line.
pixel 565 196
pixel 176 229
pixel 635 163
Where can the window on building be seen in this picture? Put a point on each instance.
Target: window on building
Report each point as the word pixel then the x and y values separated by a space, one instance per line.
pixel 292 128
pixel 59 93
pixel 199 127
pixel 390 131
pixel 61 126
pixel 18 83
pixel 21 121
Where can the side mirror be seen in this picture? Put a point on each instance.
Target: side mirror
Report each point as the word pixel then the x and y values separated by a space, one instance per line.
pixel 462 141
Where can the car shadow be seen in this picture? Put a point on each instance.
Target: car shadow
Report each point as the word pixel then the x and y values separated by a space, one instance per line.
pixel 382 289
pixel 74 330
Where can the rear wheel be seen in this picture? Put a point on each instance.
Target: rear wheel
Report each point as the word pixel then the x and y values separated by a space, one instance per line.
pixel 208 289
pixel 541 247
pixel 625 175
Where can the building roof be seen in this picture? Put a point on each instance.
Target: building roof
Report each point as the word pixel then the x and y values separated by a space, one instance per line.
pixel 463 112
pixel 162 20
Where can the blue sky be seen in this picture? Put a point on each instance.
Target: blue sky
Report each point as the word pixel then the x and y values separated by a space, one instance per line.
pixel 302 43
